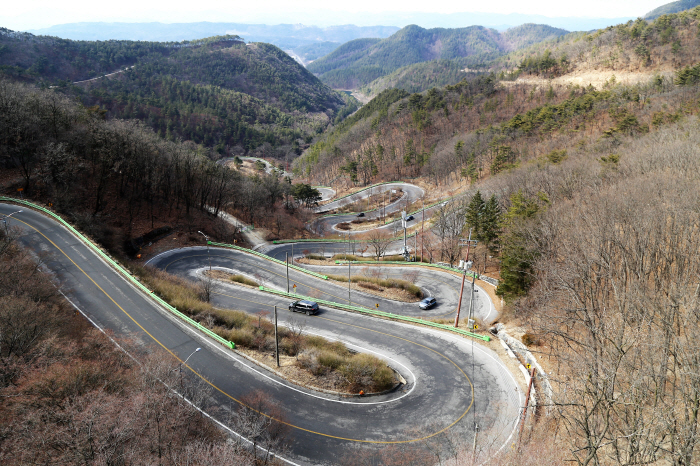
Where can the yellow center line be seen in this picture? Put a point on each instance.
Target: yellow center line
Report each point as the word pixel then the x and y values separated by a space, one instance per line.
pixel 242 403
pixel 300 282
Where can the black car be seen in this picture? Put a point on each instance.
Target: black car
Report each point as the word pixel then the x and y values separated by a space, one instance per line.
pixel 361 214
pixel 409 218
pixel 309 307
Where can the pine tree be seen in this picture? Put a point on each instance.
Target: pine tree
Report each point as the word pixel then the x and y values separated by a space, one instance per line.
pixel 490 224
pixel 474 215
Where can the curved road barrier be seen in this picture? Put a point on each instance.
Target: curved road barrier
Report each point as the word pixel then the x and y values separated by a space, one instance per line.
pixel 264 256
pixel 489 280
pixel 121 270
pixel 372 312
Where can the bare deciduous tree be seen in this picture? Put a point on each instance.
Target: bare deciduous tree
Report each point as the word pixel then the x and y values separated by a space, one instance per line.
pixel 378 241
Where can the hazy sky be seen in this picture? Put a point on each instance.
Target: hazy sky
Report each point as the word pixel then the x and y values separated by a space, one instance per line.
pixel 30 14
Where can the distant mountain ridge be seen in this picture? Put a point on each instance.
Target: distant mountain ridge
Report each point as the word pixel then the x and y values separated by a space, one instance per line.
pixel 307 42
pixel 219 91
pixel 359 62
pixel 162 32
pixel 673 7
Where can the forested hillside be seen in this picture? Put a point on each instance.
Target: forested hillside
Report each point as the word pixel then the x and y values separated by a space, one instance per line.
pixel 218 92
pixel 501 126
pixel 673 7
pixel 637 46
pixel 588 199
pixel 117 180
pixel 359 63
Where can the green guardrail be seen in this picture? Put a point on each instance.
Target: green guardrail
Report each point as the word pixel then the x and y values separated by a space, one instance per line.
pixel 322 240
pixel 266 257
pixel 124 272
pixel 308 240
pixel 424 264
pixel 373 312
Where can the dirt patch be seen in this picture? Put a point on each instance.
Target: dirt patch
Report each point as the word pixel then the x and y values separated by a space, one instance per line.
pixel 247 168
pixel 238 279
pixel 290 371
pixel 395 294
pixel 305 260
pixel 595 78
pixel 371 203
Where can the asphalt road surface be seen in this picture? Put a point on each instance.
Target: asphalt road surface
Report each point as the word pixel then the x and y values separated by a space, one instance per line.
pixel 444 286
pixel 326 225
pixel 452 383
pixel 326 193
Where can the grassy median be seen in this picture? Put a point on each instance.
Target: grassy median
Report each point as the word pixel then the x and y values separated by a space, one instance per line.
pixel 350 371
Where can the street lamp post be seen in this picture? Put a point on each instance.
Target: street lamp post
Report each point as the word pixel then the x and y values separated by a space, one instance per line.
pixel 184 363
pixel 461 290
pixel 208 256
pixel 5 220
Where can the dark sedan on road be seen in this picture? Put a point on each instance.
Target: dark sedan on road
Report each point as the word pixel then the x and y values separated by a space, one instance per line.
pixel 427 303
pixel 309 307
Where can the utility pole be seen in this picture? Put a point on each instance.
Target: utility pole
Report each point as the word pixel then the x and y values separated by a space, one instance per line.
pixel 277 347
pixel 405 247
pixel 286 260
pixel 422 226
pixel 471 297
pixel 415 245
pixel 527 403
pixel 349 302
pixel 383 208
pixel 464 275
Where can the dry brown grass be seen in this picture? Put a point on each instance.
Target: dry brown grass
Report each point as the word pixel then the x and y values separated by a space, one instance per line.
pixel 180 293
pixel 374 283
pixel 321 357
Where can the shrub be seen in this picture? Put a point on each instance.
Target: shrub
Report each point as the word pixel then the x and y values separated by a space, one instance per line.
pixel 529 339
pixel 330 359
pixel 316 257
pixel 370 286
pixel 231 319
pixel 288 347
pixel 350 257
pixel 240 336
pixel 343 226
pixel 244 280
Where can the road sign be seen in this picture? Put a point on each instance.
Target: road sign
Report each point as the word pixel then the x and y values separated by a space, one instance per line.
pixel 528 365
pixel 476 326
pixel 377 305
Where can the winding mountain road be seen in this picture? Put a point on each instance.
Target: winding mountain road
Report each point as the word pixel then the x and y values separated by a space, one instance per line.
pixel 452 383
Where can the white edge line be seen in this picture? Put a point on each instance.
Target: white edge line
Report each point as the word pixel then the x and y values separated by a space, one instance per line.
pixel 182 325
pixel 229 354
pixel 219 423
